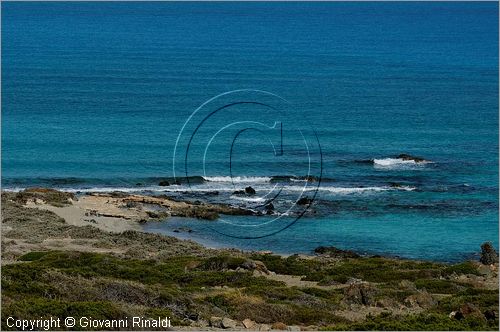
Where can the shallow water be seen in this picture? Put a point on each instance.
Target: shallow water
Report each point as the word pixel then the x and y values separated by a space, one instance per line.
pixel 96 94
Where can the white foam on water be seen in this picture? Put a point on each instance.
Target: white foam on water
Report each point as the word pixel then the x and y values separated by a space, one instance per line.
pixel 202 188
pixel 350 190
pixel 238 179
pixel 248 199
pixel 298 180
pixel 392 162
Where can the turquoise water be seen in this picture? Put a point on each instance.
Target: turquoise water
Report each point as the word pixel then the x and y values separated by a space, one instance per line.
pixel 96 94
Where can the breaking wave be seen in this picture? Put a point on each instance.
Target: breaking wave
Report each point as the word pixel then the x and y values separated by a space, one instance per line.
pixel 391 162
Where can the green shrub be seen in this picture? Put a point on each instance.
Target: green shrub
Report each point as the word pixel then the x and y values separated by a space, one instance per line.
pixel 33 256
pixel 220 263
pixel 438 286
pixel 291 265
pixel 462 268
pixel 41 307
pixel 426 322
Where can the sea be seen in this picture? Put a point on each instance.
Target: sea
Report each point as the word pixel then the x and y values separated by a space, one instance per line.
pixel 369 126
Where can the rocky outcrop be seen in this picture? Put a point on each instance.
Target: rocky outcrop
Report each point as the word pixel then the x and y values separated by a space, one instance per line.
pixel 44 195
pixel 248 323
pixel 228 323
pixel 488 254
pixel 164 183
pixel 279 326
pixel 335 252
pixel 215 322
pixel 359 293
pixel 222 323
pixel 255 266
pixel 422 299
pixel 467 310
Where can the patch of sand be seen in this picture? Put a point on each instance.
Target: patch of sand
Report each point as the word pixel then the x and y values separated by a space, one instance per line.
pixel 95 211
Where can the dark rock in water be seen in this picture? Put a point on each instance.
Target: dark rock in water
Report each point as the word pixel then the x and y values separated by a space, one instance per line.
pixel 239 192
pixel 364 161
pixel 138 184
pixel 335 252
pixel 488 254
pixel 183 229
pixel 269 208
pixel 359 293
pixel 405 156
pixel 249 191
pixel 280 178
pixel 304 201
pixel 164 183
pixel 310 178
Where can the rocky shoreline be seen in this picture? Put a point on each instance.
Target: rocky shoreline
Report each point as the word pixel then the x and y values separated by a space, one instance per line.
pixel 61 251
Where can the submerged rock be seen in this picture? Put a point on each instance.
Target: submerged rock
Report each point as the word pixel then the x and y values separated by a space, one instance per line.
pixel 183 229
pixel 211 193
pixel 164 183
pixel 488 254
pixel 239 192
pixel 304 201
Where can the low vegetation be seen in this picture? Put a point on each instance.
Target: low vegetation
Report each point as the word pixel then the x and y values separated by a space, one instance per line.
pixel 112 276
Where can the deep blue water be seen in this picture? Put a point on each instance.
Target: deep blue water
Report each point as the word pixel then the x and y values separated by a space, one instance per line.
pixel 94 96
